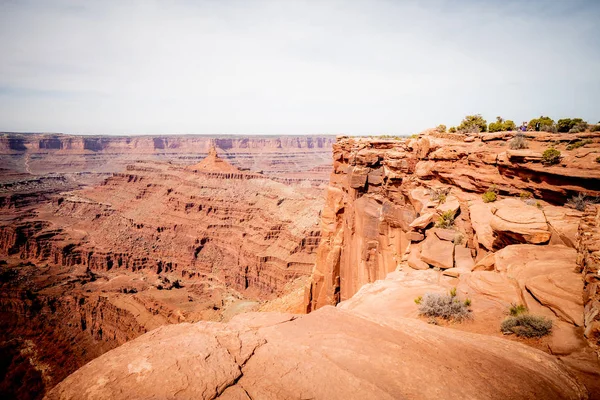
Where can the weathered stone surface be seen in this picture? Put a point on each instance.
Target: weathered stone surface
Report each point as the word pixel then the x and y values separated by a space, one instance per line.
pixel 414 258
pixel 486 263
pixel 451 204
pixel 463 259
pixel 481 217
pixel 549 274
pixel 320 355
pixel 524 156
pixel 445 234
pixel 358 177
pixel 415 236
pixel 438 253
pixel 513 221
pixel 423 221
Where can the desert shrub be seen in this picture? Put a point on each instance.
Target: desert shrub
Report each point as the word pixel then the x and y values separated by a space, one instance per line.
pixel 438 194
pixel 453 292
pixel 444 306
pixel 446 220
pixel 458 239
pixel 580 201
pixel 473 124
pixel 517 309
pixel 573 125
pixel 548 128
pixel 578 144
pixel 418 300
pixel 598 159
pixel 544 124
pixel 452 129
pixel 518 142
pixel 441 128
pixel 525 195
pixel 527 325
pixel 550 156
pixel 595 128
pixel 489 197
pixel 467 302
pixel 502 125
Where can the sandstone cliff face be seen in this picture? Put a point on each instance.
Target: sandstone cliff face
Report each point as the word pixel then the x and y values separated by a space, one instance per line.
pixel 588 259
pixel 384 195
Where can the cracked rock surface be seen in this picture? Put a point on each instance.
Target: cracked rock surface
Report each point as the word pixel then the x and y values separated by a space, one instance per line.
pixel 332 353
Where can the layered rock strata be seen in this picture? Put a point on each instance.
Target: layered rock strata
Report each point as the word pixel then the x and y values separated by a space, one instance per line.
pixel 385 195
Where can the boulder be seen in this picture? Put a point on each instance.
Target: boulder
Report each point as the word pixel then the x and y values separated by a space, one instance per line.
pixel 375 177
pixel 513 221
pixel 358 177
pixel 414 259
pixel 451 204
pixel 445 234
pixel 415 236
pixel 463 259
pixel 423 221
pixel 481 216
pixel 424 169
pixel 486 263
pixel 438 253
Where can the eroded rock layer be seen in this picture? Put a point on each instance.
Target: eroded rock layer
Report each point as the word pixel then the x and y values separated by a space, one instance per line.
pixel 384 195
pixel 90 269
pixel 293 156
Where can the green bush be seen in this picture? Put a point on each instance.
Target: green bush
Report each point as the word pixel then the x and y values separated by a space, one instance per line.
pixel 502 125
pixel 489 197
pixel 441 128
pixel 517 309
pixel 473 124
pixel 418 300
pixel 452 129
pixel 444 306
pixel 525 195
pixel 595 128
pixel 446 220
pixel 544 124
pixel 527 325
pixel 550 156
pixel 579 143
pixel 573 125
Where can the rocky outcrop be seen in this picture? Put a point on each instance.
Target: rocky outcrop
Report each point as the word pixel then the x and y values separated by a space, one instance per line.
pixel 385 196
pixel 323 356
pixel 588 246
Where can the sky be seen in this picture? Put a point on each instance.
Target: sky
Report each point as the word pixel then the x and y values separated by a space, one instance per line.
pixel 293 67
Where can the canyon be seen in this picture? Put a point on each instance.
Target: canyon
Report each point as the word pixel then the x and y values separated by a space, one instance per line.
pixel 227 275
pixel 101 244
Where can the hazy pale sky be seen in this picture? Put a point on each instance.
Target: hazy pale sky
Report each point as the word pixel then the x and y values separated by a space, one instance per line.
pixel 293 67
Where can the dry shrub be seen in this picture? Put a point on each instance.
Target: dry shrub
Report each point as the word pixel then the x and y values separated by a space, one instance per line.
pixel 444 306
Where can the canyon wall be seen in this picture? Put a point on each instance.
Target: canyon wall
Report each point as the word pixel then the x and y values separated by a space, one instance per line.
pixel 382 197
pixel 37 153
pixel 588 259
pixel 86 268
